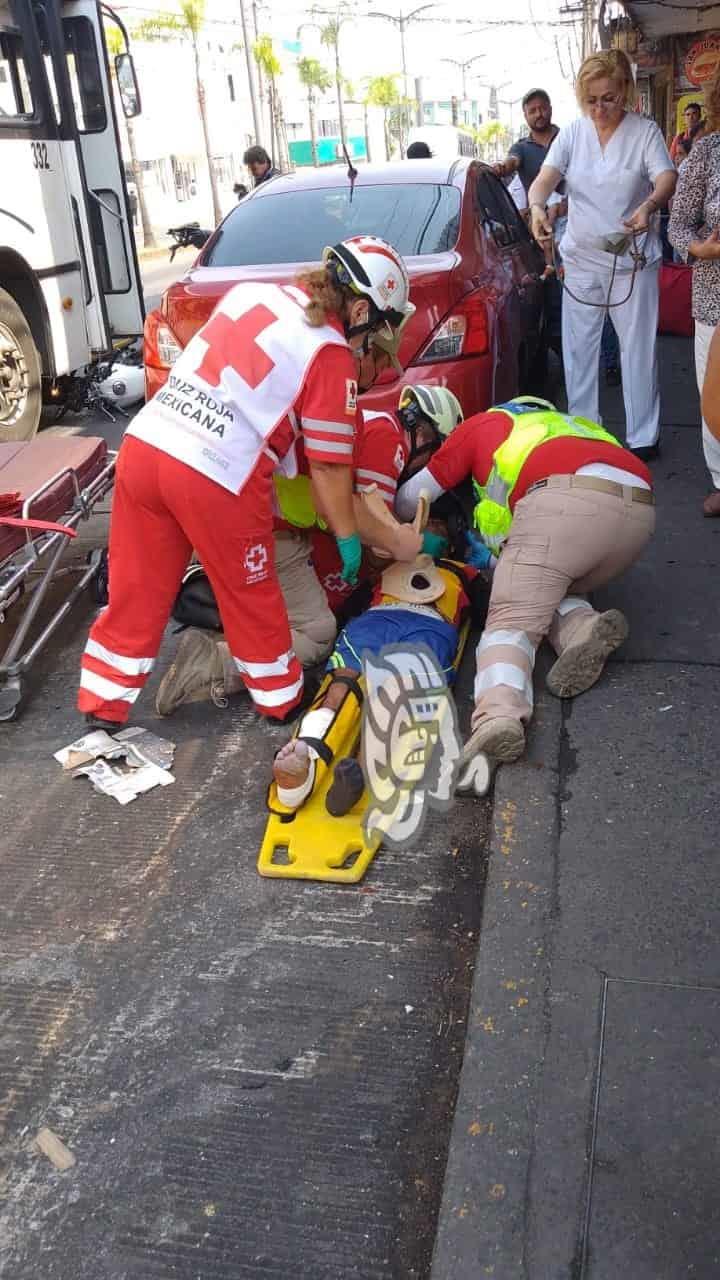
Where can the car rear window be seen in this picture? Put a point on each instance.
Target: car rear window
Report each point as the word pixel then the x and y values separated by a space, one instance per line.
pixel 294 226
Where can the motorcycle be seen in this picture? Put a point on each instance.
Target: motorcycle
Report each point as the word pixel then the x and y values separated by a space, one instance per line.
pixel 114 384
pixel 190 233
pixel 110 385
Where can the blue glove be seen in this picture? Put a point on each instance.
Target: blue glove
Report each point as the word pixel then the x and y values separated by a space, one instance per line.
pixel 478 555
pixel 433 544
pixel 351 554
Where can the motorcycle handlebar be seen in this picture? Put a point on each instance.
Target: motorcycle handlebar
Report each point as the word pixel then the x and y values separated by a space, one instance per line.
pixel 190 233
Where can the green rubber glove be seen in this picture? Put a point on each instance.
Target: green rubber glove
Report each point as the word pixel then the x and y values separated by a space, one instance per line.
pixel 433 544
pixel 351 554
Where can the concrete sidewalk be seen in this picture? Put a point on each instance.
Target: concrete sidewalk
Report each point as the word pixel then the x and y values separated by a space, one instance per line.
pixel 585 1134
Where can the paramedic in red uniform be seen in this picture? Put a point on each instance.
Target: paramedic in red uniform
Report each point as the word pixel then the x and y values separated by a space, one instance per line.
pixel 196 471
pixel 565 511
pixel 386 448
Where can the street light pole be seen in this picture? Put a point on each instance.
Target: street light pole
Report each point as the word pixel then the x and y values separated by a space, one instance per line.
pixel 510 102
pixel 401 21
pixel 463 69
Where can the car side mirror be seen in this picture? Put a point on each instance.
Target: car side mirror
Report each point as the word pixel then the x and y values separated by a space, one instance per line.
pixel 128 87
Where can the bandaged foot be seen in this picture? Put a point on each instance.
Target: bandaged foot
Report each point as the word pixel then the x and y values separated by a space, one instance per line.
pixel 294 764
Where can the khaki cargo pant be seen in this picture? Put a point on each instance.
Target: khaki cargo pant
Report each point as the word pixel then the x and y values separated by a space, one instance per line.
pixel 312 623
pixel 565 539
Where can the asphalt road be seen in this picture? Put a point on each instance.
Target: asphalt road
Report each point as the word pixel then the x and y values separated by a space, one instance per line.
pixel 256 1077
pixel 159 273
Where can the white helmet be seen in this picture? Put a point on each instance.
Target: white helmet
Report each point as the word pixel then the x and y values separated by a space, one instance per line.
pixel 374 270
pixel 436 404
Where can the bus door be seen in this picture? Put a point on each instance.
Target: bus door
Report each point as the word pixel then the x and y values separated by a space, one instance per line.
pixel 38 240
pixel 106 195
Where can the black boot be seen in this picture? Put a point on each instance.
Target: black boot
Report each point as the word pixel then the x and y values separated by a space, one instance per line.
pixel 96 722
pixel 347 787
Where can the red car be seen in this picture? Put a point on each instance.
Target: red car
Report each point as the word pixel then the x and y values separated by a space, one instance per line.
pixel 474 270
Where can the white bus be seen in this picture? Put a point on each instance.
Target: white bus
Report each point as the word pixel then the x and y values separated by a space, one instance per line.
pixel 69 279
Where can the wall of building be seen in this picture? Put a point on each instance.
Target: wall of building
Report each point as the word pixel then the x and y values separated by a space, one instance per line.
pixel 671 72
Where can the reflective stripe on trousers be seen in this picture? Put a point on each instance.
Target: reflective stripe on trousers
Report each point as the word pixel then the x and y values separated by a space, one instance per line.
pixel 503 681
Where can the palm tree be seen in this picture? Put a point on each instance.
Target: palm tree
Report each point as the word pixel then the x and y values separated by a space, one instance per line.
pixel 269 64
pixel 187 24
pixel 115 45
pixel 313 75
pixel 492 138
pixel 382 91
pixel 330 37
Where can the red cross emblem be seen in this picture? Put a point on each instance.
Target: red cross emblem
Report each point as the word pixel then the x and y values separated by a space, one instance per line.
pixel 390 284
pixel 256 558
pixel 232 344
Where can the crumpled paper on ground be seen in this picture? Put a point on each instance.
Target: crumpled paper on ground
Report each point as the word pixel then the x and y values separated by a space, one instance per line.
pixel 146 759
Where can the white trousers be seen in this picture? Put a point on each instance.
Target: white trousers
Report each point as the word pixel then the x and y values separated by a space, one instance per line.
pixel 711 446
pixel 635 323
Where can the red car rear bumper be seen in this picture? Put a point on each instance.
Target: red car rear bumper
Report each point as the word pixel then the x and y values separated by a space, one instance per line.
pixel 470 379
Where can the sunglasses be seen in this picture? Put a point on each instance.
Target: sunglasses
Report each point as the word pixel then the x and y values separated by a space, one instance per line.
pixel 607 100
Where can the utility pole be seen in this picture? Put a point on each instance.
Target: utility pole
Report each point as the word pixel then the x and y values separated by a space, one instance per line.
pixel 588 27
pixel 584 13
pixel 400 21
pixel 250 73
pixel 463 70
pixel 261 85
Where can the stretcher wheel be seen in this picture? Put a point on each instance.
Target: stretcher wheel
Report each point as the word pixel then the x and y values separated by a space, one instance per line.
pixel 11 695
pixel 99 585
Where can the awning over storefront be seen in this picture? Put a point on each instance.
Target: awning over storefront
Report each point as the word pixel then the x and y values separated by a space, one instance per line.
pixel 655 18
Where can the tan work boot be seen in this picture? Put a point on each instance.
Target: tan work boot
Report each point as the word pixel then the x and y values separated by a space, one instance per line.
pixel 582 663
pixel 502 739
pixel 195 675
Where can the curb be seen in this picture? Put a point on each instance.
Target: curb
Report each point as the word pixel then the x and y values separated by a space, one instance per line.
pixel 482 1224
pixel 162 251
pixel 147 255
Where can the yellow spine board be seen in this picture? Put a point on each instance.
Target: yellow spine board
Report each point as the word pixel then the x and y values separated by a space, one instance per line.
pixel 307 843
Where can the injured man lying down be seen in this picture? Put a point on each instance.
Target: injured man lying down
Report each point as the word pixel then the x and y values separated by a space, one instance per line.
pixel 424 602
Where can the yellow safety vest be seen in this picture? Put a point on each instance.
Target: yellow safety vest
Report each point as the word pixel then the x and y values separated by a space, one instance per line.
pixel 492 514
pixel 295 500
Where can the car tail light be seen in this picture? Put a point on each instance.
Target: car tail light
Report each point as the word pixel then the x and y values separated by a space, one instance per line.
pixel 162 348
pixel 465 332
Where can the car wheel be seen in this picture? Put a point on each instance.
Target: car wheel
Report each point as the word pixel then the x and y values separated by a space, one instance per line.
pixel 20 374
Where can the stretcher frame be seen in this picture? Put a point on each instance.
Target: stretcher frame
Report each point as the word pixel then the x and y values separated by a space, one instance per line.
pixel 20 564
pixel 307 843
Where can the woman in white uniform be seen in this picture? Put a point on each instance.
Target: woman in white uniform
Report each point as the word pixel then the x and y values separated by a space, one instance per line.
pixel 618 173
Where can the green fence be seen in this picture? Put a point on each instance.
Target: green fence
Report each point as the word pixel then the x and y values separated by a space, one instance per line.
pixel 301 151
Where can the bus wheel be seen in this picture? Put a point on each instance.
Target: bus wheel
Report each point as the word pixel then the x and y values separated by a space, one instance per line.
pixel 20 374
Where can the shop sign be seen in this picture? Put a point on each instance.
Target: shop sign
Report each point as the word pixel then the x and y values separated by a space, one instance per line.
pixel 703 60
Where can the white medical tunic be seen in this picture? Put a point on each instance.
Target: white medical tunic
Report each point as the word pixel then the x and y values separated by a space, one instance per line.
pixel 606 185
